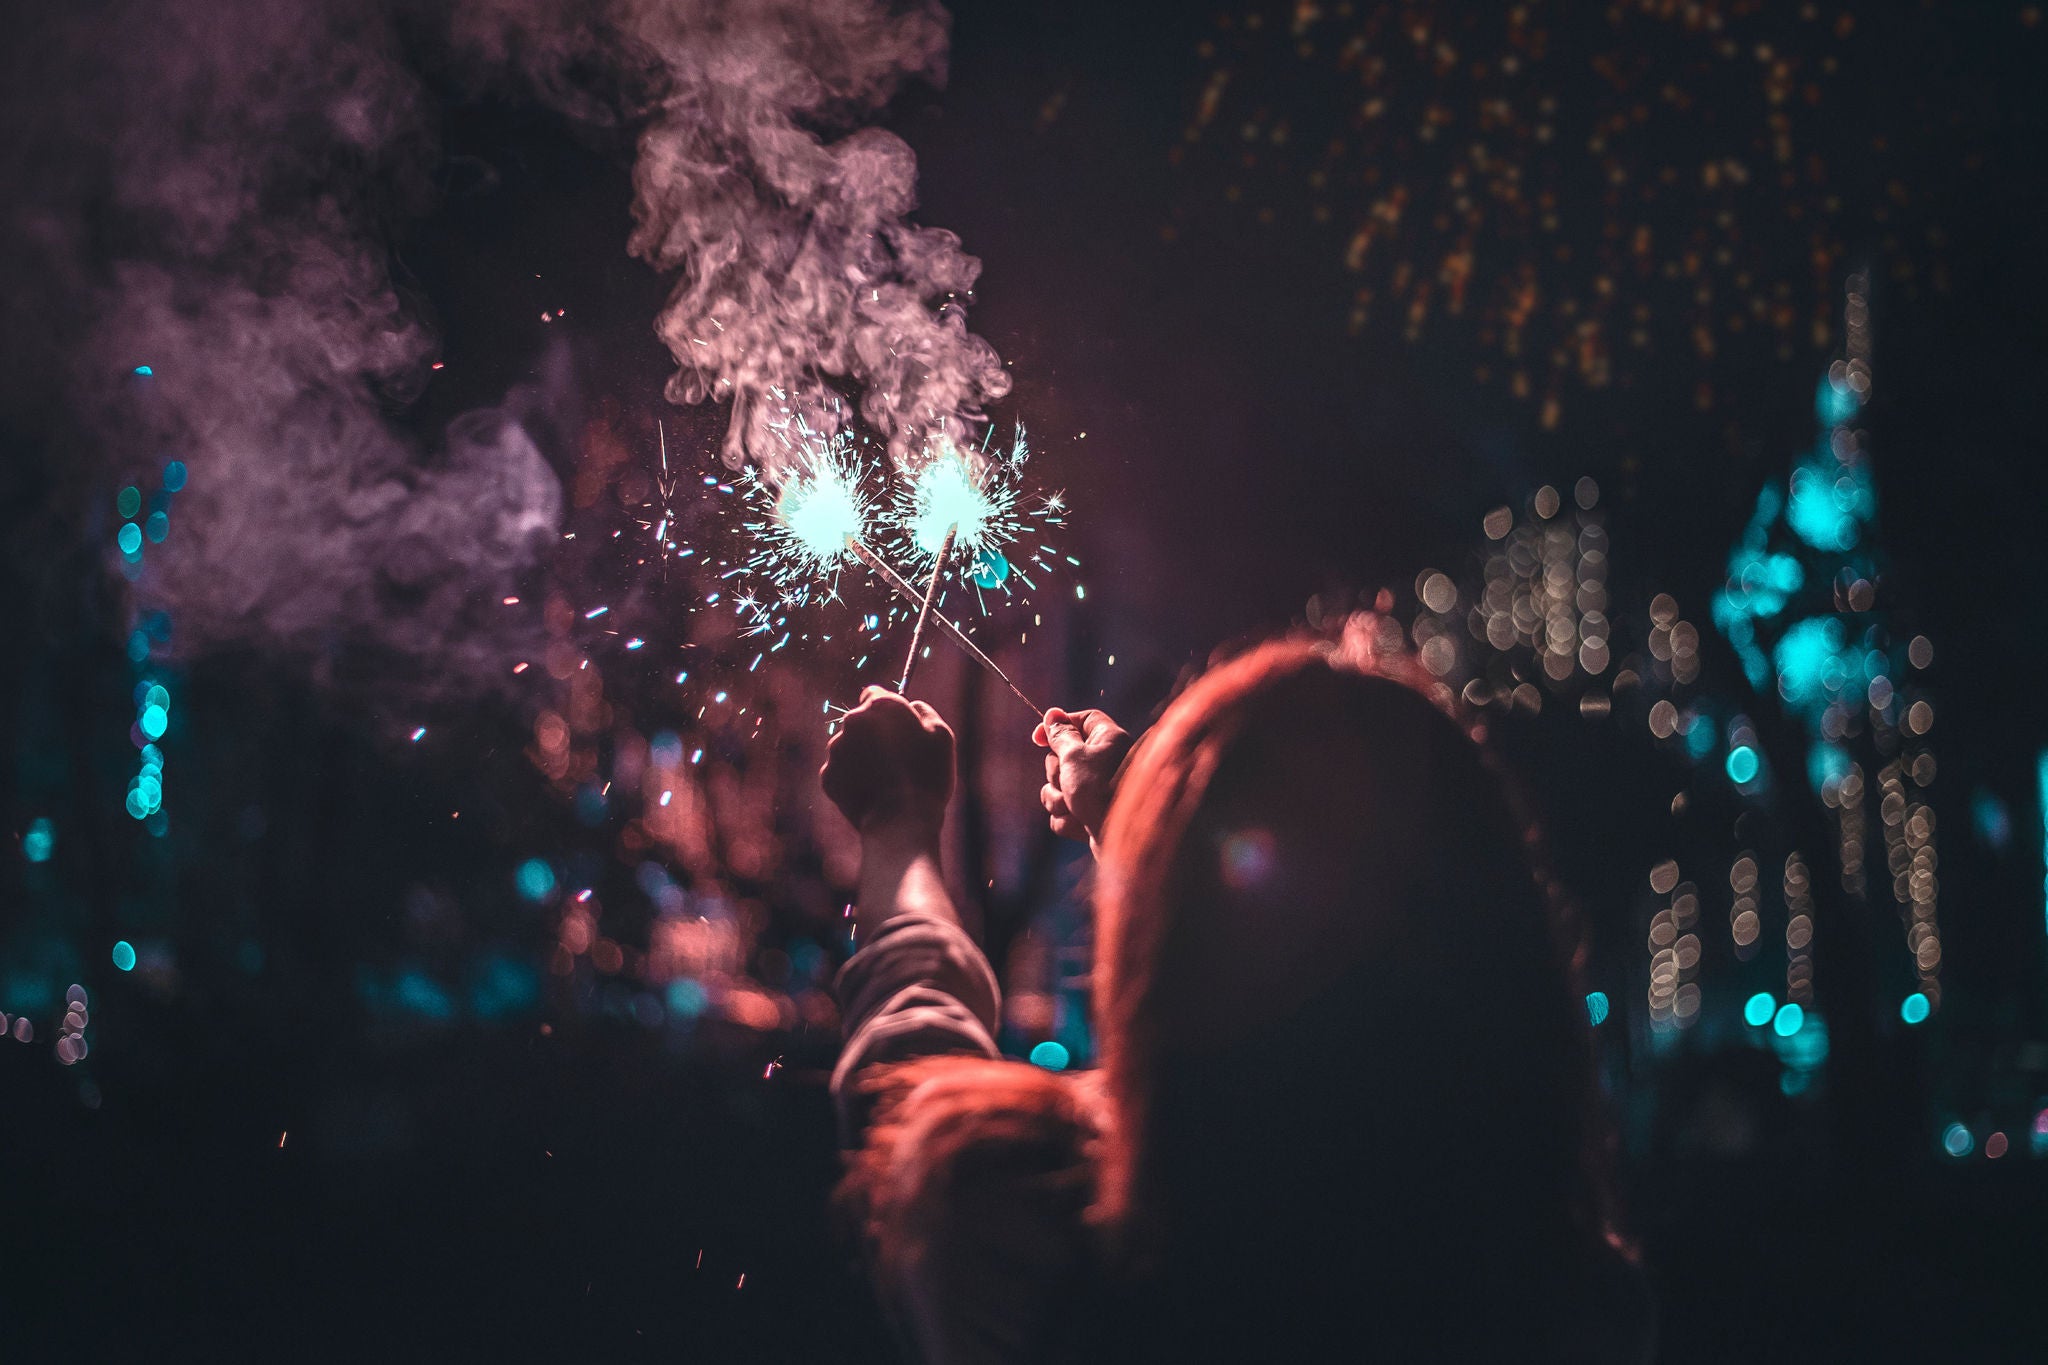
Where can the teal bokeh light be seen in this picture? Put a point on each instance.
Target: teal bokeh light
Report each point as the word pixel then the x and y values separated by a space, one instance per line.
pixel 990 570
pixel 1825 763
pixel 124 956
pixel 536 880
pixel 1743 765
pixel 129 538
pixel 128 501
pixel 1790 1019
pixel 1957 1140
pixel 686 999
pixel 1758 1009
pixel 1835 403
pixel 154 720
pixel 1597 1008
pixel 1914 1008
pixel 1699 740
pixel 1050 1055
pixel 1810 660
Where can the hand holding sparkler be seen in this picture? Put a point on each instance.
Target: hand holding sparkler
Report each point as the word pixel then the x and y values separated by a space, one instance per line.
pixel 889 768
pixel 1086 750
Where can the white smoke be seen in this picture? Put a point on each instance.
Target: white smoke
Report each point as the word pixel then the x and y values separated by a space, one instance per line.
pixel 796 259
pixel 208 186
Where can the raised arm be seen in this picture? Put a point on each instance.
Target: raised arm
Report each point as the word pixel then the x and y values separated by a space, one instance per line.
pixel 889 769
pixel 918 986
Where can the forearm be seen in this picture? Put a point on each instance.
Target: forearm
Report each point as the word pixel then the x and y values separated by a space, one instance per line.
pixel 899 875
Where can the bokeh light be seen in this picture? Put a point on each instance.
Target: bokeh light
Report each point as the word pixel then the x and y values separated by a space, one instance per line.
pixel 1050 1055
pixel 535 879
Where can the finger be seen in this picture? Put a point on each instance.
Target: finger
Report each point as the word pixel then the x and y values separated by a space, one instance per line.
pixel 1052 768
pixel 1054 801
pixel 1038 736
pixel 1095 724
pixel 879 706
pixel 1065 740
pixel 924 710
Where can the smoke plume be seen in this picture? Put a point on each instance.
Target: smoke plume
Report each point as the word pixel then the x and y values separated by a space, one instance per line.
pixel 208 187
pixel 797 262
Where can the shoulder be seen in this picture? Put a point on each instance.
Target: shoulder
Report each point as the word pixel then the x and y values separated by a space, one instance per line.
pixel 947 1126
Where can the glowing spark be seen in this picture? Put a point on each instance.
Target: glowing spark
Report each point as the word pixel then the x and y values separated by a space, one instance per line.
pixel 980 492
pixel 819 512
pixel 948 494
pixel 805 518
pixel 969 489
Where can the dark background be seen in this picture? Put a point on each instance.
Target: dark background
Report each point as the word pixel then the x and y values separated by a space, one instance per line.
pixel 269 1165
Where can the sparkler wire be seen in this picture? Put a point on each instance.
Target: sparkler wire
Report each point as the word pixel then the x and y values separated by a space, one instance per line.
pixel 924 612
pixel 952 632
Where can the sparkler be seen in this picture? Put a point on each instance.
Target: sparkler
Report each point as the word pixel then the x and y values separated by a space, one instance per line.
pixel 931 591
pixel 971 496
pixel 979 492
pixel 807 520
pixel 823 508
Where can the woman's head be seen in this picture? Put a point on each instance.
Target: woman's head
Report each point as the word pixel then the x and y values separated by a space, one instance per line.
pixel 1327 981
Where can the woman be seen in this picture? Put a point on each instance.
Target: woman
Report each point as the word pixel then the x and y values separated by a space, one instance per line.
pixel 1344 1108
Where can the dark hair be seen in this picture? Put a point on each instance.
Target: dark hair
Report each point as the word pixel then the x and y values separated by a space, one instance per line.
pixel 1344 1055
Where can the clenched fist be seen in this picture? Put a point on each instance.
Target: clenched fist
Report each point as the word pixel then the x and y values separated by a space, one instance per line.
pixel 890 766
pixel 1087 748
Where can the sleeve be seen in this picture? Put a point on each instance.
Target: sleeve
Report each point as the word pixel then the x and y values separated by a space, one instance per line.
pixel 919 988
